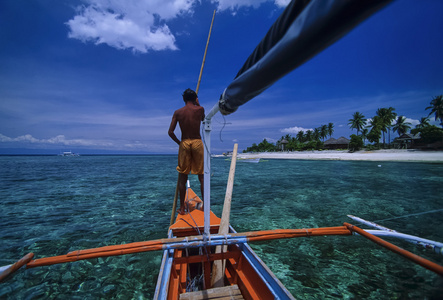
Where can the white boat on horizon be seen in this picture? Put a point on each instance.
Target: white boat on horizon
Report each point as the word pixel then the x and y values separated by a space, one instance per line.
pixel 249 159
pixel 69 153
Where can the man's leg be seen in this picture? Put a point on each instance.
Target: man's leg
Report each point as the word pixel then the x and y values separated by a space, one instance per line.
pixel 183 178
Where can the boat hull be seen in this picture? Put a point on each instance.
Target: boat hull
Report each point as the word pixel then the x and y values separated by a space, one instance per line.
pixel 184 271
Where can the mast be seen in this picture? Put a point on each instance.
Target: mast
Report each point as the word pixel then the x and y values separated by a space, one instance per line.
pixel 204 55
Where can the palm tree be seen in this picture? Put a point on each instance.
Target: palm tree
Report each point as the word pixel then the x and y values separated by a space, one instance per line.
pixel 316 135
pixel 374 134
pixel 381 113
pixel 436 108
pixel 330 129
pixel 386 115
pixel 308 136
pixel 323 131
pixel 401 126
pixel 300 136
pixel 358 121
pixel 424 122
pixel 391 115
pixel 364 134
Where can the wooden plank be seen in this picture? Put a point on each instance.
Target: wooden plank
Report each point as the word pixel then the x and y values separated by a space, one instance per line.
pixel 218 268
pixel 226 292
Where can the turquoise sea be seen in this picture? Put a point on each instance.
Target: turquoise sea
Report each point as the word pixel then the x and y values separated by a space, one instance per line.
pixel 51 205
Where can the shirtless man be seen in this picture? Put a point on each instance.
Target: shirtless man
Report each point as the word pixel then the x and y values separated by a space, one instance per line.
pixel 190 153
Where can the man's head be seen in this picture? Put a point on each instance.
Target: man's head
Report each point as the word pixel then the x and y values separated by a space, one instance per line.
pixel 189 95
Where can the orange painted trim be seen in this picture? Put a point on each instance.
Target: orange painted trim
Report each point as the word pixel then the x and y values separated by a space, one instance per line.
pixel 159 244
pixel 195 218
pixel 411 256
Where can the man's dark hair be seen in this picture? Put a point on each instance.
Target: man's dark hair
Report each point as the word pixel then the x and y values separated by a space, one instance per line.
pixel 189 95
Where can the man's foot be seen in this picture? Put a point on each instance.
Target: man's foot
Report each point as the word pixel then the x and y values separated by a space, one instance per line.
pixel 181 212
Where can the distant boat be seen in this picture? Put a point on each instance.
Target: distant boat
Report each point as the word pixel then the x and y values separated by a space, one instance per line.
pixel 246 159
pixel 69 153
pixel 249 160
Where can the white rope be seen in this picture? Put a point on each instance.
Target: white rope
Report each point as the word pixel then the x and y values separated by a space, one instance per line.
pixel 417 214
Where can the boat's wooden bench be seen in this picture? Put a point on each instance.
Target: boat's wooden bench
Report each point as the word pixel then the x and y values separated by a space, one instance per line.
pixel 222 293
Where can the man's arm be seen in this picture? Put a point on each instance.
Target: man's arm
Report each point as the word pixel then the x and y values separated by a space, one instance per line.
pixel 172 129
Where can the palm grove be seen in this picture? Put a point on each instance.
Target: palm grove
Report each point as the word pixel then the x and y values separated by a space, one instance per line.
pixel 376 130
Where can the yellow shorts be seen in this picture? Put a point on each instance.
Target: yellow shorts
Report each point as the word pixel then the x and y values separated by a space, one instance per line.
pixel 190 157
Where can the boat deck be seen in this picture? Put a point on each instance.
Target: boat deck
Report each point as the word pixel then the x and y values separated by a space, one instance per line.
pixel 226 292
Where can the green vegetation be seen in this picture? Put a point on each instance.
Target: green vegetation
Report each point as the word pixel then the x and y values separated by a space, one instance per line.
pixel 376 130
pixel 356 143
pixel 428 135
pixel 436 108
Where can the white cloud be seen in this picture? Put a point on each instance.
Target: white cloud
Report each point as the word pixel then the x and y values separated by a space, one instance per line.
pixel 139 25
pixel 270 140
pixel 236 4
pixel 282 3
pixel 413 122
pixel 294 130
pixel 131 24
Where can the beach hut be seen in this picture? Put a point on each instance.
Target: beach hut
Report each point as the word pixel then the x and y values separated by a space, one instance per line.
pixel 407 140
pixel 340 143
pixel 282 144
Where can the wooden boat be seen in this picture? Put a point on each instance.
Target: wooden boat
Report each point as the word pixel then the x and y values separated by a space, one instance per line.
pixel 186 273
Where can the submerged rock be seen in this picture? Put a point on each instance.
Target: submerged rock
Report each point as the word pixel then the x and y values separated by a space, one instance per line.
pixel 109 289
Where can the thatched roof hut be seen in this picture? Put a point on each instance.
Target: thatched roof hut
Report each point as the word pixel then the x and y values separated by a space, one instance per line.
pixel 406 140
pixel 282 144
pixel 340 143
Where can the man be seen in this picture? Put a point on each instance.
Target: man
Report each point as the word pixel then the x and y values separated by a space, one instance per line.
pixel 190 153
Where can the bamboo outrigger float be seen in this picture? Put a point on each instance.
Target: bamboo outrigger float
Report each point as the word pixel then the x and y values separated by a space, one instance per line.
pixel 203 257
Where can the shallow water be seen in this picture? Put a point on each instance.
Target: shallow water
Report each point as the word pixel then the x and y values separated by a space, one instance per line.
pixel 52 205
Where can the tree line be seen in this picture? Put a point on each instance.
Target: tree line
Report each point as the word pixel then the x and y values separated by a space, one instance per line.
pixel 376 130
pixel 309 140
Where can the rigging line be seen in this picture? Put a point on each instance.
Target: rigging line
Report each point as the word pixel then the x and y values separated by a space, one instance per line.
pixel 223 127
pixel 195 228
pixel 405 216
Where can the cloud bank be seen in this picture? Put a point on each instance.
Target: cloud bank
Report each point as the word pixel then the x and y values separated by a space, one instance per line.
pixel 59 140
pixel 294 130
pixel 139 25
pixel 234 5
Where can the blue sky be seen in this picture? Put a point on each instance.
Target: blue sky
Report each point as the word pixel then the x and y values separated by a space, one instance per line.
pixel 105 76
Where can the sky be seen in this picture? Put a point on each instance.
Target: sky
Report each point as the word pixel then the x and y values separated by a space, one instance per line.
pixel 105 76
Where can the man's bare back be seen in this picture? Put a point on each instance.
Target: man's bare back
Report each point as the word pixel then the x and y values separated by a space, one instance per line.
pixel 189 118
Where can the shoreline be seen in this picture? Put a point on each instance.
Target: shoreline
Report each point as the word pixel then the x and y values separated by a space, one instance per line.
pixel 403 155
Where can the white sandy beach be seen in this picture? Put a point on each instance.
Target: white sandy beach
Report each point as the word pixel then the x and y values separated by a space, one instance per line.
pixel 376 155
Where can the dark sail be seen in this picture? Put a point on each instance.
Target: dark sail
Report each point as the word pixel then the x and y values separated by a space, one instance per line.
pixel 305 28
